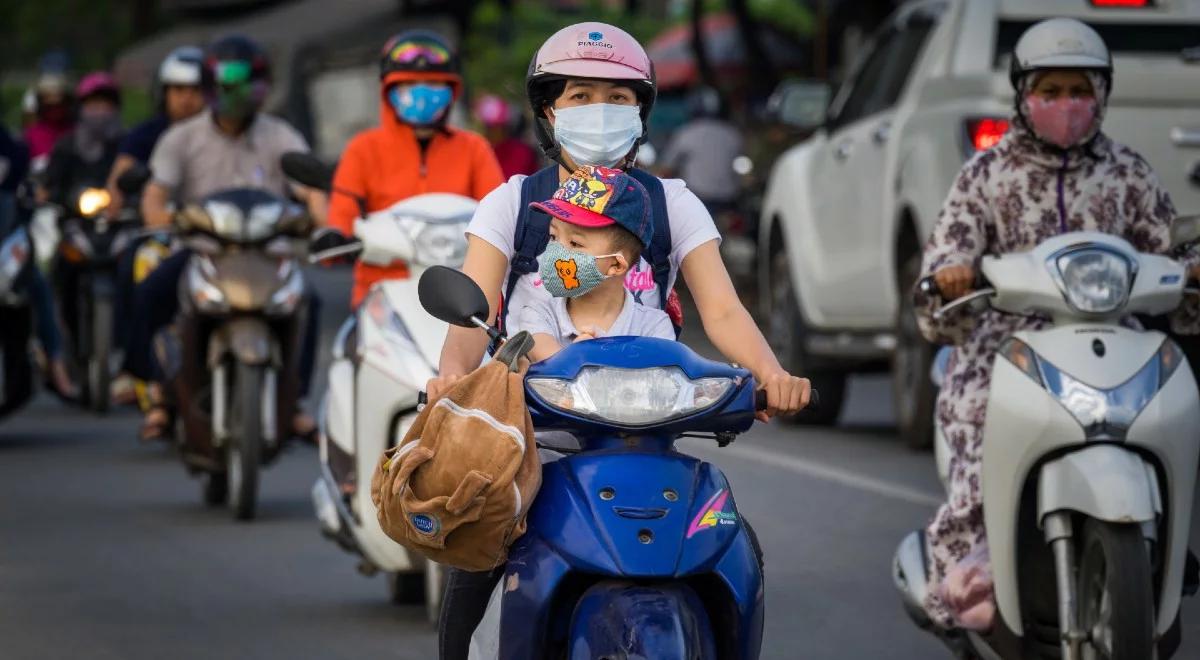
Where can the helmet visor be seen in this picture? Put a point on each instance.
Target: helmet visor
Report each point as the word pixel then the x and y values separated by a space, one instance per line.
pixel 232 72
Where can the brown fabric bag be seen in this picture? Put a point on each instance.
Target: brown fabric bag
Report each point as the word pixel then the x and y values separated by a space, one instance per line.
pixel 458 486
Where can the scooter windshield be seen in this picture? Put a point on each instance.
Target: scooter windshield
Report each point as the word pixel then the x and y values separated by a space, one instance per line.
pixel 638 386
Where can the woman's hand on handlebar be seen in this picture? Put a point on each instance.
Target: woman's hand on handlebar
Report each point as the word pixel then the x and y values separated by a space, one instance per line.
pixel 439 385
pixel 786 394
pixel 955 282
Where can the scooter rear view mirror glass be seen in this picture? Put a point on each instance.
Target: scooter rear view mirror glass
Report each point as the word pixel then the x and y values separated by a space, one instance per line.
pixel 452 296
pixel 133 179
pixel 307 170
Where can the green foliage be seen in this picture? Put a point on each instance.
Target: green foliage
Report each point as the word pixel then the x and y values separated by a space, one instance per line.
pixel 92 31
pixel 499 47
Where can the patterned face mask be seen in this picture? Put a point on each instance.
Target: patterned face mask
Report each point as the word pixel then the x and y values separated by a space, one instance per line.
pixel 568 273
pixel 1062 122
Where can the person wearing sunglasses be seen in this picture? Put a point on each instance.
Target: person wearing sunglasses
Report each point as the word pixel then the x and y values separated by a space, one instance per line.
pixel 231 145
pixel 413 150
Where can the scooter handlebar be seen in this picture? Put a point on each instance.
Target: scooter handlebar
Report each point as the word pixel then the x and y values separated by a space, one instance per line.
pixel 760 400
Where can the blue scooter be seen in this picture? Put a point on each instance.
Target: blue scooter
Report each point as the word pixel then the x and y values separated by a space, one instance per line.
pixel 633 550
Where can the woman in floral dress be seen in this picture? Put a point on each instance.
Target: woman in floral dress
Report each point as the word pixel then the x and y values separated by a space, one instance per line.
pixel 1055 171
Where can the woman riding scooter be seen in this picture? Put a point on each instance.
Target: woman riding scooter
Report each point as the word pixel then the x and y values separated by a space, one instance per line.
pixel 1054 172
pixel 591 87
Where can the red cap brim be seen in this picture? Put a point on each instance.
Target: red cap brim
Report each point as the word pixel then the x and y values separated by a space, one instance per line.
pixel 572 214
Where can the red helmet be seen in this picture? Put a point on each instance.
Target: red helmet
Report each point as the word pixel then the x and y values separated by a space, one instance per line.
pixel 98 83
pixel 491 110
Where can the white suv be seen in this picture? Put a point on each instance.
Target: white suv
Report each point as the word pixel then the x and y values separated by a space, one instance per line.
pixel 847 211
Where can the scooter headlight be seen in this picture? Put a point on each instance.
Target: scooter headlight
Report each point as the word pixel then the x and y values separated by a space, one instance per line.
pixel 207 296
pixel 1095 280
pixel 440 244
pixel 93 201
pixel 631 397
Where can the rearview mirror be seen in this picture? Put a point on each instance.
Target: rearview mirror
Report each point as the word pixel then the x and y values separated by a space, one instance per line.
pixel 453 297
pixel 133 179
pixel 800 104
pixel 307 170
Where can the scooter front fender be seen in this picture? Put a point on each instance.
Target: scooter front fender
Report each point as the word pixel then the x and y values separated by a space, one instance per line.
pixel 248 339
pixel 1102 481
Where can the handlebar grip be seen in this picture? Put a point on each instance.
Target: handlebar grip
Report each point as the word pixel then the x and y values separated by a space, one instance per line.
pixel 928 286
pixel 760 400
pixel 422 398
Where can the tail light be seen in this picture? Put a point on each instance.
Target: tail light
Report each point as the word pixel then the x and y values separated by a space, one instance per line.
pixel 1132 4
pixel 984 132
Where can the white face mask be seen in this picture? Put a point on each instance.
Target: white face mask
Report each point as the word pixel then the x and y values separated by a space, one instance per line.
pixel 598 134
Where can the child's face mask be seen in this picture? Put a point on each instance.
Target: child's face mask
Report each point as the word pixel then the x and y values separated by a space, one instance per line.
pixel 568 273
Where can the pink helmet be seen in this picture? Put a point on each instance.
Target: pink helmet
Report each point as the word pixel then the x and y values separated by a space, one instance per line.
pixel 98 83
pixel 587 50
pixel 491 110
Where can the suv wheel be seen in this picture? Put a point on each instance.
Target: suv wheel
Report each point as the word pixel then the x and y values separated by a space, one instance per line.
pixel 785 333
pixel 913 391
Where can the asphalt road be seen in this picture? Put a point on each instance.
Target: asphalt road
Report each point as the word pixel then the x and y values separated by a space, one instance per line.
pixel 106 550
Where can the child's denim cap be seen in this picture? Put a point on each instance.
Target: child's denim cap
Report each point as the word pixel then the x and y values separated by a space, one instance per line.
pixel 600 197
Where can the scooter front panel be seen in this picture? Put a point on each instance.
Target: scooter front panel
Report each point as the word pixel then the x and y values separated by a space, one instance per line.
pixel 1167 429
pixel 635 514
pixel 1023 424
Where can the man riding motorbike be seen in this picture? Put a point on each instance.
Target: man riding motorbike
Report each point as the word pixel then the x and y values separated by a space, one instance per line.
pixel 231 145
pixel 81 158
pixel 591 87
pixel 179 96
pixel 412 151
pixel 1055 171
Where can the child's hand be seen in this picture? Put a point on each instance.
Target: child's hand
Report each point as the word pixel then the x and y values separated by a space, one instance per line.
pixel 586 333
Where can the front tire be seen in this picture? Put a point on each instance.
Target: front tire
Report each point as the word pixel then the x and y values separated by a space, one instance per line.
pixel 786 334
pixel 1115 593
pixel 245 443
pixel 913 391
pixel 99 372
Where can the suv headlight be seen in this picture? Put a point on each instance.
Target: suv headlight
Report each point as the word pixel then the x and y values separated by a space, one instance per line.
pixel 631 397
pixel 1094 280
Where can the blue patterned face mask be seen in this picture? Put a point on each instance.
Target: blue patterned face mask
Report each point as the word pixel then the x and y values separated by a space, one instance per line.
pixel 567 273
pixel 420 104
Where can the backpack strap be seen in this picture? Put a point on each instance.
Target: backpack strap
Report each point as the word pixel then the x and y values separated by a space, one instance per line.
pixel 658 253
pixel 531 235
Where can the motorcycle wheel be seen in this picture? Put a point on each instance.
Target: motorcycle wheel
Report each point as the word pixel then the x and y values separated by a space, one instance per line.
pixel 785 334
pixel 1115 592
pixel 435 590
pixel 99 371
pixel 406 588
pixel 245 442
pixel 913 392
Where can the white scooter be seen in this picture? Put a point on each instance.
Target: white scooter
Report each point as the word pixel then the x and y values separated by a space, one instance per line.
pixel 1090 450
pixel 382 358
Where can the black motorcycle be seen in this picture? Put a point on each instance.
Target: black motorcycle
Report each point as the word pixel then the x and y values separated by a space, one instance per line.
pixel 86 281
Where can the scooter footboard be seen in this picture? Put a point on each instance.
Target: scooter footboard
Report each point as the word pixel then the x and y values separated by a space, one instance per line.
pixel 615 619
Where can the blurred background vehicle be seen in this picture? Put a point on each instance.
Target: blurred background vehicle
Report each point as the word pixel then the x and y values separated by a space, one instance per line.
pixel 848 210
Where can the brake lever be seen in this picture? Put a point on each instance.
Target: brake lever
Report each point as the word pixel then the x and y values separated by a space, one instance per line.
pixel 941 312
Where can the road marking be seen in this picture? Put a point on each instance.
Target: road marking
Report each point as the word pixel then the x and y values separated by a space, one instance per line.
pixel 836 475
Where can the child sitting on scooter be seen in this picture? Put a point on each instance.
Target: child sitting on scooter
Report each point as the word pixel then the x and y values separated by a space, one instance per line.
pixel 600 224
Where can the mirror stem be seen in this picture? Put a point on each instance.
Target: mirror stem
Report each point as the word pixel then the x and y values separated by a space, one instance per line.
pixel 358 199
pixel 492 332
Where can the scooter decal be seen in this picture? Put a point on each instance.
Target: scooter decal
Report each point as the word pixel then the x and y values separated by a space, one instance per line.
pixel 713 514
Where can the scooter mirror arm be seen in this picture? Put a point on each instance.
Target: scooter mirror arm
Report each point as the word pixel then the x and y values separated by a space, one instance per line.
pixel 941 312
pixel 492 332
pixel 358 199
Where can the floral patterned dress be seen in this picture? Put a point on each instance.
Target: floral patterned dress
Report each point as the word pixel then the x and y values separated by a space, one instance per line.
pixel 1008 199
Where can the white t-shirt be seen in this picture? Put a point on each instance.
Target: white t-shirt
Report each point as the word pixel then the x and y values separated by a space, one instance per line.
pixel 550 316
pixel 495 221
